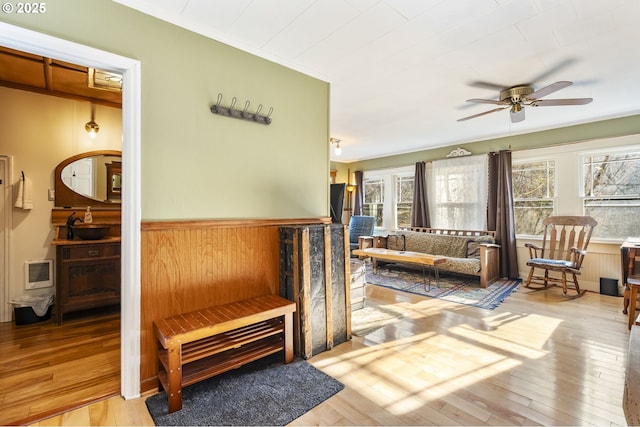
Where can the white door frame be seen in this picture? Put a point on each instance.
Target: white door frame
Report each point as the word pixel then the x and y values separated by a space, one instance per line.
pixel 51 47
pixel 5 219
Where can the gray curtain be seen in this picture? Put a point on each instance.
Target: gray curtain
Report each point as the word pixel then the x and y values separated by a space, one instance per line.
pixel 359 201
pixel 420 206
pixel 500 213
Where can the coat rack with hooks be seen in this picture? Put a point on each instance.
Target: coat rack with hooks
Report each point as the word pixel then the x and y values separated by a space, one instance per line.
pixel 244 114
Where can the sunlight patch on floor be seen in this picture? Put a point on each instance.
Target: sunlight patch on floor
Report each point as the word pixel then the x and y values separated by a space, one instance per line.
pixel 466 355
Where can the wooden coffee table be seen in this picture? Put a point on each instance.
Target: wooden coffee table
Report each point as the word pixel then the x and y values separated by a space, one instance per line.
pixel 407 257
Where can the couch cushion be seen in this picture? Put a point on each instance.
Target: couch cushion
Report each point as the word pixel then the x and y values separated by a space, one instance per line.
pixel 436 244
pixel 462 265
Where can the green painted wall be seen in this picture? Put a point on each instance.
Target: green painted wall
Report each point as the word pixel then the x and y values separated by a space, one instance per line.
pixel 571 134
pixel 196 164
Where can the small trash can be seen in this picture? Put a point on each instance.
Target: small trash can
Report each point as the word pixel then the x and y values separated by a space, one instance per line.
pixel 29 309
pixel 609 286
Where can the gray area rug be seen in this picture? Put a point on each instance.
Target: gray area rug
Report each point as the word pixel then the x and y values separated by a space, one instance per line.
pixel 266 393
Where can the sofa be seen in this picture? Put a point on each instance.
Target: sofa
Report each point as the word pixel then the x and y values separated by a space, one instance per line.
pixel 468 252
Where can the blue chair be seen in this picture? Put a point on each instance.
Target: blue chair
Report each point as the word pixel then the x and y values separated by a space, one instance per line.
pixel 360 225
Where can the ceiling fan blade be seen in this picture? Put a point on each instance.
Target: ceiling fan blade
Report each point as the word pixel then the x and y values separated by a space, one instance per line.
pixel 487 101
pixel 568 101
pixel 554 69
pixel 516 116
pixel 480 114
pixel 553 87
pixel 488 85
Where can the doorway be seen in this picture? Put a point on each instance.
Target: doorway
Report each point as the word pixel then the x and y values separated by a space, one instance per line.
pixel 5 224
pixel 41 44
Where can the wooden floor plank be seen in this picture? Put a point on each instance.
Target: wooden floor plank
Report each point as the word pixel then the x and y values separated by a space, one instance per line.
pixel 537 359
pixel 47 369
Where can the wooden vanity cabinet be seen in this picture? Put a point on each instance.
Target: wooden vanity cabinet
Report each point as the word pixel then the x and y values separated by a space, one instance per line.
pixel 87 276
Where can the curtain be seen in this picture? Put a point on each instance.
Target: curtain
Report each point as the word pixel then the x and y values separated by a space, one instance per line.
pixel 359 201
pixel 458 193
pixel 500 212
pixel 420 206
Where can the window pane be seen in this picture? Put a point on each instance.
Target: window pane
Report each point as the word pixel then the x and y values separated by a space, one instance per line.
pixel 403 214
pixel 373 191
pixel 374 210
pixel 617 218
pixel 612 175
pixel 374 199
pixel 533 180
pixel 530 214
pixel 404 189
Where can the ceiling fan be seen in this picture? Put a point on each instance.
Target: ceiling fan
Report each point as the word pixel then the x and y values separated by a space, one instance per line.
pixel 516 97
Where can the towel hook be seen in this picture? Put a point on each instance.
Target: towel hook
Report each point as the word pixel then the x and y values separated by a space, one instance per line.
pixel 22 172
pixel 219 100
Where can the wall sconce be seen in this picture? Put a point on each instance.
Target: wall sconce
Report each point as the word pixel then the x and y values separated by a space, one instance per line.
pixel 91 126
pixel 336 141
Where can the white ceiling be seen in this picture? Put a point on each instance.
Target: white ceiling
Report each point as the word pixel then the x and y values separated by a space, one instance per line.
pixel 401 70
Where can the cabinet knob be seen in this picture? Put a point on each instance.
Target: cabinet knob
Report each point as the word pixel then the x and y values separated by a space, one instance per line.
pixel 93 253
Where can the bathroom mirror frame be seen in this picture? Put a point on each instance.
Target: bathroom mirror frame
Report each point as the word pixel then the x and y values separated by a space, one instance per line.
pixel 67 197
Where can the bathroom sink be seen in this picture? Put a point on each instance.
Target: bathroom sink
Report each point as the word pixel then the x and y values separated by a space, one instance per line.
pixel 90 231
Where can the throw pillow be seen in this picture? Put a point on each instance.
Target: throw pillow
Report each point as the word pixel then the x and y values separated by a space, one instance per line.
pixel 473 246
pixel 396 242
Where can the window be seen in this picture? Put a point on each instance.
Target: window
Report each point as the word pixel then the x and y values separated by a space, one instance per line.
pixel 374 199
pixel 388 196
pixel 600 178
pixel 403 200
pixel 611 192
pixel 458 193
pixel 534 193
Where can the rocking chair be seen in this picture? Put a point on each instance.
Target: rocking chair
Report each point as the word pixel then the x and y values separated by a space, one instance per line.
pixel 564 247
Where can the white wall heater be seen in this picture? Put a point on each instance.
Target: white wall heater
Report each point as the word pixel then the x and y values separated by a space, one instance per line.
pixel 38 274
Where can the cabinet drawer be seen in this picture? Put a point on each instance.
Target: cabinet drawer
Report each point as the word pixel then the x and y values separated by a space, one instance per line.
pixel 90 251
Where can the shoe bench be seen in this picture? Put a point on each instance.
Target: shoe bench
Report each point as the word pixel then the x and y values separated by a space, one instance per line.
pixel 198 345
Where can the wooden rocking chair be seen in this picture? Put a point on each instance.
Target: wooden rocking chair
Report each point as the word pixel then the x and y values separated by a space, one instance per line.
pixel 564 247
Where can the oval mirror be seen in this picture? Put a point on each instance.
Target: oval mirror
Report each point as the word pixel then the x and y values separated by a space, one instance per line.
pixel 89 179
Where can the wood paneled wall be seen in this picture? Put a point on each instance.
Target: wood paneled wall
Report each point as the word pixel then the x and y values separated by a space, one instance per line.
pixel 190 265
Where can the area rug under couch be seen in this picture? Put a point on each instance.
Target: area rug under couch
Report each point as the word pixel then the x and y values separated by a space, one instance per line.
pixel 458 289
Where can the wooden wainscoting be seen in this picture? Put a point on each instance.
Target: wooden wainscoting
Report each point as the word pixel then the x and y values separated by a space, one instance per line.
pixel 191 265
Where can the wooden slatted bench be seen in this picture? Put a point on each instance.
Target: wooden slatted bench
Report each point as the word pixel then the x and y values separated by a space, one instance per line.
pixel 198 345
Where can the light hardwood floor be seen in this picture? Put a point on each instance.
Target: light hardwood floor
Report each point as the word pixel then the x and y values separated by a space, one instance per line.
pixel 46 369
pixel 538 359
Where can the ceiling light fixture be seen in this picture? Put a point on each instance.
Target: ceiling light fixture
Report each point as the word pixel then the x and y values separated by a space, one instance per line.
pixel 91 126
pixel 336 141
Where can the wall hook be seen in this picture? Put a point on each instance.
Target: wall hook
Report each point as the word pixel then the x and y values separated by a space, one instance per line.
pixel 244 114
